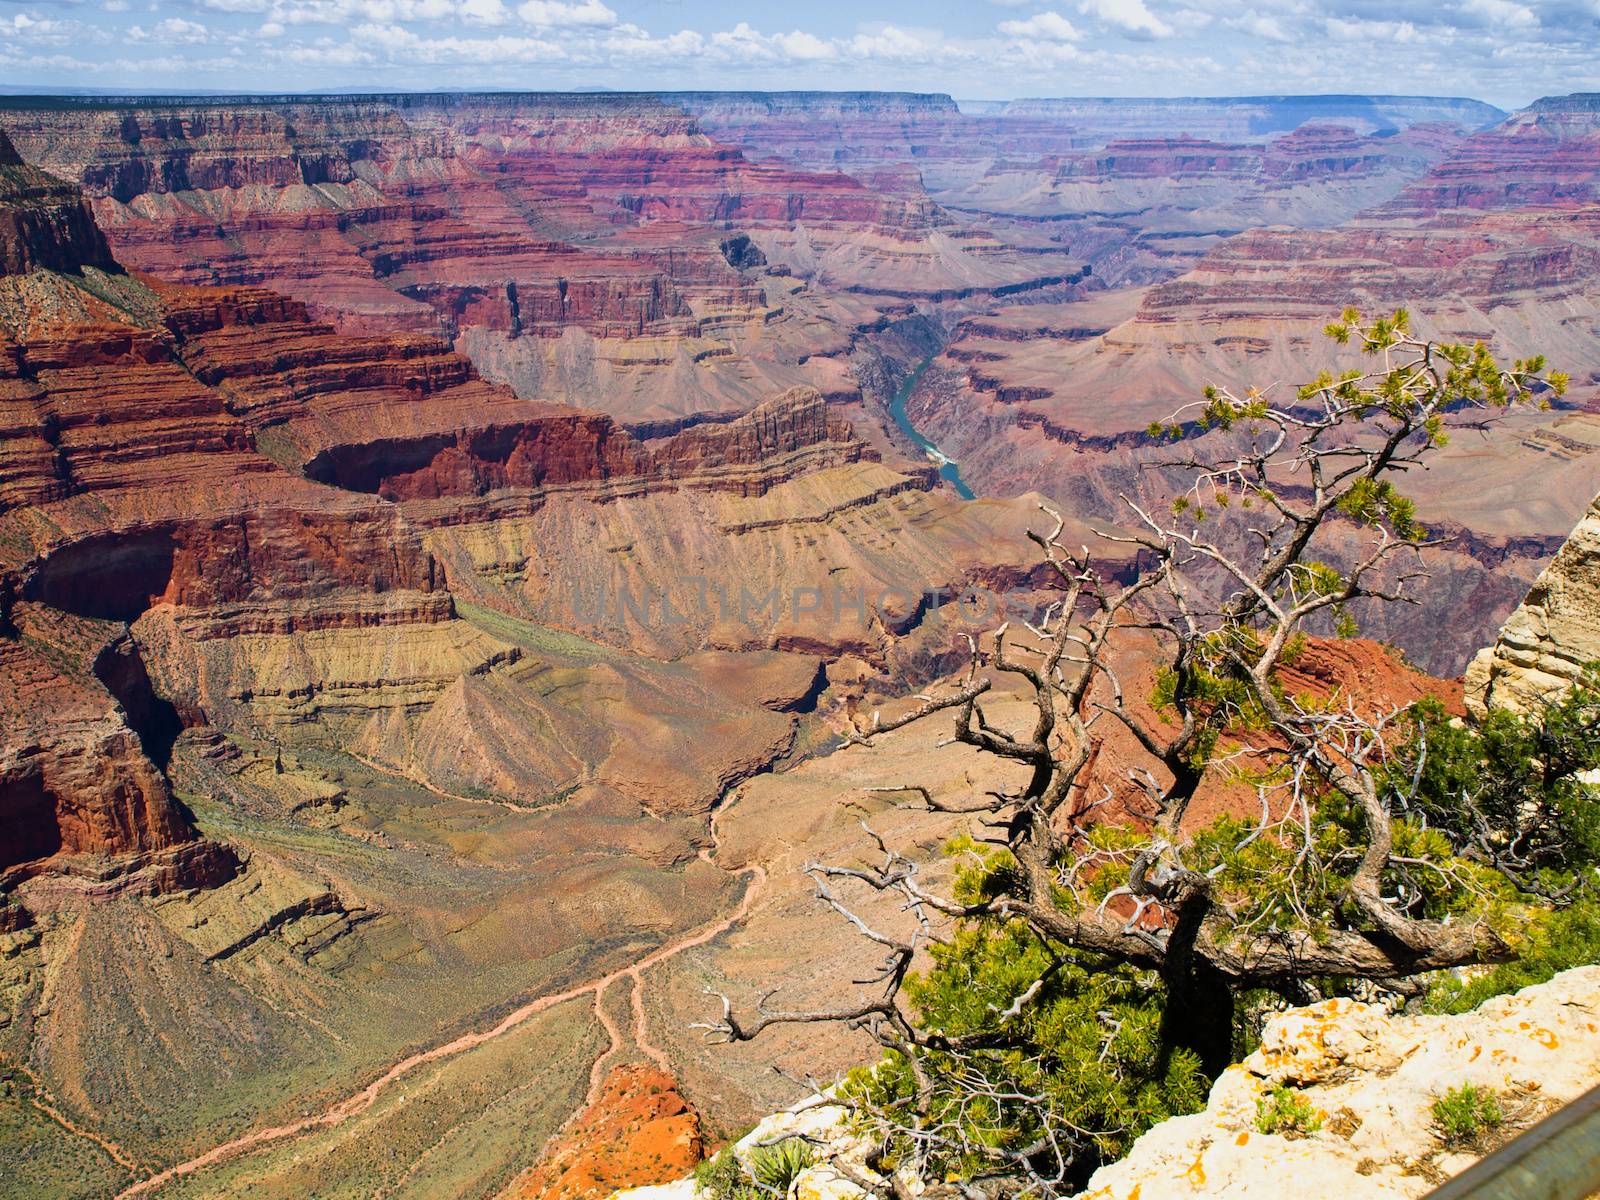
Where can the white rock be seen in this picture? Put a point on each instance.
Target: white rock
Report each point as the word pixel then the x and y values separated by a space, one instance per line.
pixel 1372 1078
pixel 1551 635
pixel 682 1189
pixel 825 1182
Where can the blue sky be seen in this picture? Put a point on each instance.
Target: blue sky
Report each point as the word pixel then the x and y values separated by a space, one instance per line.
pixel 1504 51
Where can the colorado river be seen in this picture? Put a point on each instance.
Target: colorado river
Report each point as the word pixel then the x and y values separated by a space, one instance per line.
pixel 897 409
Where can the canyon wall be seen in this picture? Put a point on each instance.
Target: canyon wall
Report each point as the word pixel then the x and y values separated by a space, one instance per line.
pixel 441 538
pixel 309 749
pixel 1494 242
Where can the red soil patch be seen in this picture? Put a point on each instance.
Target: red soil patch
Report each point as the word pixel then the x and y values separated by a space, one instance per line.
pixel 640 1131
pixel 1369 675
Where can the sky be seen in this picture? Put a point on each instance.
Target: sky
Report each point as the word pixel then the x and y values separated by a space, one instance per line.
pixel 1505 51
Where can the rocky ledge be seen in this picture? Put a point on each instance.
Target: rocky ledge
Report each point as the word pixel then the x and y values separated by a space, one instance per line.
pixel 1367 1079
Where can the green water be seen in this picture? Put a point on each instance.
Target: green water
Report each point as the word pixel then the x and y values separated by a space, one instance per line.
pixel 897 409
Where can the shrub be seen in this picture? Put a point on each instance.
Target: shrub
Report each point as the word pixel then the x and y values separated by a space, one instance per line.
pixel 722 1178
pixel 772 1169
pixel 1464 1113
pixel 1081 1071
pixel 1285 1111
pixel 1550 942
pixel 776 1167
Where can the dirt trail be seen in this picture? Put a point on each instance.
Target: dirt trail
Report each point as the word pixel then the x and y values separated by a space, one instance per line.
pixel 36 1097
pixel 340 1112
pixel 412 776
pixel 641 1028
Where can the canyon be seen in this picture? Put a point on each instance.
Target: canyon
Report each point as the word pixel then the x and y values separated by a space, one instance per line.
pixel 445 539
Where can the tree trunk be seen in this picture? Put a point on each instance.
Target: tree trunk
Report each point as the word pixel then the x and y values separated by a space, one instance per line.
pixel 1200 998
pixel 1199 1015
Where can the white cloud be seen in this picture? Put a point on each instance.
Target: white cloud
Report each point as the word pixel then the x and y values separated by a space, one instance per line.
pixel 403 44
pixel 1130 16
pixel 485 12
pixel 803 47
pixel 40 31
pixel 174 31
pixel 1261 25
pixel 894 43
pixel 561 15
pixel 1343 29
pixel 1051 26
pixel 1503 14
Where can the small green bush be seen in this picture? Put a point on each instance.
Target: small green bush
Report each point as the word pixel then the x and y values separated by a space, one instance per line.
pixel 1084 1063
pixel 1285 1111
pixel 1463 1114
pixel 772 1169
pixel 722 1178
pixel 777 1166
pixel 1547 944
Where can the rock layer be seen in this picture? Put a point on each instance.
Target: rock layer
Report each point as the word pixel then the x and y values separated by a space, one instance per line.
pixel 43 221
pixel 1553 634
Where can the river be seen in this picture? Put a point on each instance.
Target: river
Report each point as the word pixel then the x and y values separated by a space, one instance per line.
pixel 897 409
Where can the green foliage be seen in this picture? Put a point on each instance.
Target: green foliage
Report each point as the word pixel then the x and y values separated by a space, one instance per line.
pixel 1086 1055
pixel 1511 790
pixel 1378 501
pixel 1460 793
pixel 1285 1111
pixel 772 1169
pixel 723 1178
pixel 1546 942
pixel 775 1167
pixel 1464 1113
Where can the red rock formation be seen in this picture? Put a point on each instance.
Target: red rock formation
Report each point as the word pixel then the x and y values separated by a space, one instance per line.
pixel 639 1131
pixel 442 201
pixel 253 492
pixel 1370 677
pixel 76 779
pixel 505 220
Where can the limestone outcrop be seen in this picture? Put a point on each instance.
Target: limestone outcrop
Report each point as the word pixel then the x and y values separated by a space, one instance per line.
pixel 1555 631
pixel 1371 1080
